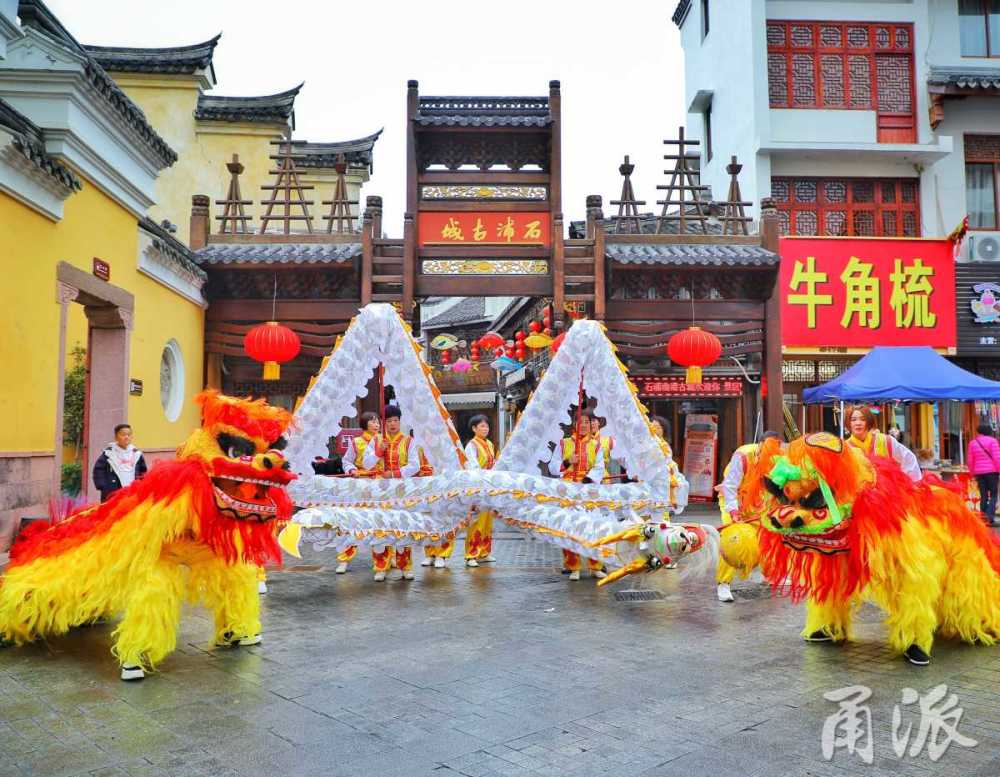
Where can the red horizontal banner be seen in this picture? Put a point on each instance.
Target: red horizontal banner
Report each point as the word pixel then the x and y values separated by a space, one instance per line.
pixel 861 292
pixel 670 386
pixel 487 228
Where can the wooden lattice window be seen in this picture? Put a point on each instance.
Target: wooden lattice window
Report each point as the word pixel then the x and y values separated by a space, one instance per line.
pixel 861 207
pixel 845 66
pixel 982 180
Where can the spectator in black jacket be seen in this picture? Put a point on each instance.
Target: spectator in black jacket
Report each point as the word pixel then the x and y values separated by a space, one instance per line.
pixel 119 464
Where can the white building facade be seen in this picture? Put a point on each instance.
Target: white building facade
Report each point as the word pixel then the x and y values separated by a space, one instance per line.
pixel 858 118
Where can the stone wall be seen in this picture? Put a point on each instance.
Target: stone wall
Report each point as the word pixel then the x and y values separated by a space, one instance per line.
pixel 25 487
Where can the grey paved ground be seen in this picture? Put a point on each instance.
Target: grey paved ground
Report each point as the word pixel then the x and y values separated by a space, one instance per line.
pixel 506 670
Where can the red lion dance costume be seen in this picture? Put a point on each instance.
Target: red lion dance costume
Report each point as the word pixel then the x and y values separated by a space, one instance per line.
pixel 194 529
pixel 844 529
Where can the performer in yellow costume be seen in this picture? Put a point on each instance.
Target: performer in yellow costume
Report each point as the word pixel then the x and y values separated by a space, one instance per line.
pixel 433 554
pixel 354 467
pixel 391 452
pixel 739 543
pixel 480 454
pixel 580 461
pixel 605 444
pixel 876 445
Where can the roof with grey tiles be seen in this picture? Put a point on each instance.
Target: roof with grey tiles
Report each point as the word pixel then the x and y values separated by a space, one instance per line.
pixel 647 225
pixel 483 112
pixel 185 60
pixel 215 254
pixel 689 254
pixel 965 77
pixel 30 141
pixel 469 310
pixel 178 252
pixel 324 155
pixel 270 108
pixel 35 14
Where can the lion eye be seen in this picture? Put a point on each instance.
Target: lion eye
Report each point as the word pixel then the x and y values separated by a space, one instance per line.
pixel 775 490
pixel 234 446
pixel 814 501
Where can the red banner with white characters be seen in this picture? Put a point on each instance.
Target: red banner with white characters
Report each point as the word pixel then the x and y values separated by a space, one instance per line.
pixel 485 228
pixel 861 292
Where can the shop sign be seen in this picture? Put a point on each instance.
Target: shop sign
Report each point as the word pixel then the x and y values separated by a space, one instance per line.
pixel 515 377
pixel 701 437
pixel 863 292
pixel 102 269
pixel 986 305
pixel 485 228
pixel 673 386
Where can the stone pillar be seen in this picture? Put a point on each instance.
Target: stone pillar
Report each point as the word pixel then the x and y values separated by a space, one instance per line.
pixel 770 232
pixel 65 295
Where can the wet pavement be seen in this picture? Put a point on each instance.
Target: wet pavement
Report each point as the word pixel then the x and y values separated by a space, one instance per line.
pixel 503 670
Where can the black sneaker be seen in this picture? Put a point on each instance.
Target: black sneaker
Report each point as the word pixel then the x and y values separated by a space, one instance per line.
pixel 916 656
pixel 819 636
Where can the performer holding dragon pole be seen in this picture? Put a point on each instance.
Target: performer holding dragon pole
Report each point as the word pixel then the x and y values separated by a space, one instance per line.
pixel 582 462
pixel 480 454
pixel 392 451
pixel 355 468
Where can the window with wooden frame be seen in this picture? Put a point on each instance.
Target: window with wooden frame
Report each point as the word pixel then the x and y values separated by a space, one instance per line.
pixel 979 27
pixel 845 66
pixel 982 180
pixel 857 207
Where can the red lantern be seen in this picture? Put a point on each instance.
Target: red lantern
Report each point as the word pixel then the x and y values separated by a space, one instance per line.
pixel 694 348
pixel 446 357
pixel 547 331
pixel 271 343
pixel 535 326
pixel 763 386
pixel 520 354
pixel 509 351
pixel 498 351
pixel 557 343
pixel 474 353
pixel 519 335
pixel 491 340
pixel 547 316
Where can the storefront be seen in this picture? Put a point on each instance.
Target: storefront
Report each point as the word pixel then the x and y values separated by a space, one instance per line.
pixel 842 296
pixel 977 296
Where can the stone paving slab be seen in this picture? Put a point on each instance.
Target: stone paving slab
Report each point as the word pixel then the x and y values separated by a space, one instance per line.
pixel 502 670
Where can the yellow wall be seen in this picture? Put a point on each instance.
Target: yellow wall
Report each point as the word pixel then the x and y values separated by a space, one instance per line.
pixel 204 148
pixel 31 246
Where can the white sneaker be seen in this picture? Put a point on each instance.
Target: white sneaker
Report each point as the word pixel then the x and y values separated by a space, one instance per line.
pixel 248 641
pixel 471 562
pixel 261 587
pixel 491 559
pixel 428 561
pixel 132 673
pixel 439 563
pixel 341 568
pixel 574 575
pixel 671 565
pixel 600 574
pixel 724 594
pixel 379 577
pixel 407 574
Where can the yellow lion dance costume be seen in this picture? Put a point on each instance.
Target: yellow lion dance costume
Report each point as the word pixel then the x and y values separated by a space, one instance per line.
pixel 194 529
pixel 846 529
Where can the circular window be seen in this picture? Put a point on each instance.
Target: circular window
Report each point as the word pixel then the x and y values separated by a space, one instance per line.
pixel 172 380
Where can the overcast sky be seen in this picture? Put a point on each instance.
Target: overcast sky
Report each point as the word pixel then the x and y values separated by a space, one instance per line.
pixel 620 65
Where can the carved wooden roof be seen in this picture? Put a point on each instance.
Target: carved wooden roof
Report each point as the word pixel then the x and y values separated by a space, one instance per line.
pixel 483 112
pixel 185 60
pixel 271 108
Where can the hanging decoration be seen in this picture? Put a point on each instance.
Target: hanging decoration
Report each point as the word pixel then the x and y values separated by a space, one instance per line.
pixel 443 342
pixel 446 357
pixel 538 340
pixel 694 348
pixel 461 365
pixel 491 340
pixel 272 343
pixel 557 343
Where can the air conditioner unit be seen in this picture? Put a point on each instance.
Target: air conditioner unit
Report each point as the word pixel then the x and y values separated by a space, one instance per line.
pixel 983 247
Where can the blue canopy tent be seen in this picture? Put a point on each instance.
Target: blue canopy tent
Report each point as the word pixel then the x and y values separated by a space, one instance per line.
pixel 904 373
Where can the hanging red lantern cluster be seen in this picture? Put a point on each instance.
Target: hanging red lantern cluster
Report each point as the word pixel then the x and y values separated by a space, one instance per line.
pixel 535 326
pixel 520 349
pixel 694 348
pixel 273 344
pixel 474 351
pixel 547 320
pixel 446 357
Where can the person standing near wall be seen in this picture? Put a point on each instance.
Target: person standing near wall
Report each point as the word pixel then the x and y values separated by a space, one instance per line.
pixel 119 465
pixel 983 457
